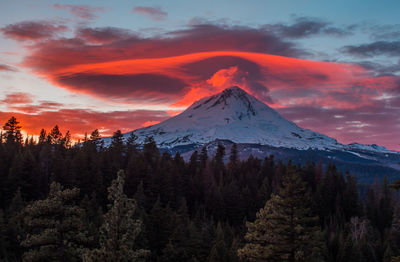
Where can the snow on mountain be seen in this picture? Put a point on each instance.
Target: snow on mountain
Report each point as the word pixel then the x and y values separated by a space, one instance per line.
pixel 373 147
pixel 239 117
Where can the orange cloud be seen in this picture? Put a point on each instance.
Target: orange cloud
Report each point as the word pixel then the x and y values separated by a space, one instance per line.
pixel 79 121
pixel 269 72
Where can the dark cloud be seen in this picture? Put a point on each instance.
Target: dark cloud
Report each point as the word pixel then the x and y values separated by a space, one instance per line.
pixel 154 13
pixel 32 30
pixel 306 27
pixel 205 68
pixel 81 11
pixel 388 32
pixel 388 48
pixel 133 87
pixel 380 69
pixel 103 35
pixel 210 37
pixel 4 67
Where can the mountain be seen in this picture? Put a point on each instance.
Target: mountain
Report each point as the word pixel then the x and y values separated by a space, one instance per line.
pixel 234 116
pixel 237 116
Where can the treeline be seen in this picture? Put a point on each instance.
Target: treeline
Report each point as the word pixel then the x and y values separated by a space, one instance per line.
pixel 89 202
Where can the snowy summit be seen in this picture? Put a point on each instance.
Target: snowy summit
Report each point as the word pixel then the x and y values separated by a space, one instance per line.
pixel 239 117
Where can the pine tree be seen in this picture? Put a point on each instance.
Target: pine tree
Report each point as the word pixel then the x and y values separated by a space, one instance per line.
pixel 117 140
pixel 67 142
pixel 131 142
pixel 95 135
pixel 203 156
pixel 119 230
pixel 285 228
pixel 177 247
pixel 42 136
pixel 55 137
pixel 12 131
pixel 116 148
pixel 15 227
pixel 95 138
pixel 150 151
pixel 3 239
pixel 233 158
pixel 159 227
pixel 54 227
pixel 219 251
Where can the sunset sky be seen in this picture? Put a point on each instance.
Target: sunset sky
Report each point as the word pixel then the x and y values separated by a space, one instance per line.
pixel 330 66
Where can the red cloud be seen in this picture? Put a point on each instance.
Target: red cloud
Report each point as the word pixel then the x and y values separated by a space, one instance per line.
pixel 17 98
pixel 81 11
pixel 32 30
pixel 154 13
pixel 79 121
pixel 36 108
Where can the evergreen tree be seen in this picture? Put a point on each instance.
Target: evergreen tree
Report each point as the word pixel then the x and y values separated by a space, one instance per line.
pixel 117 140
pixel 219 251
pixel 116 149
pixel 95 135
pixel 233 158
pixel 3 239
pixel 15 227
pixel 66 141
pixel 55 137
pixel 285 229
pixel 159 228
pixel 12 131
pixel 119 230
pixel 177 247
pixel 131 142
pixel 42 136
pixel 150 151
pixel 203 156
pixel 54 227
pixel 95 138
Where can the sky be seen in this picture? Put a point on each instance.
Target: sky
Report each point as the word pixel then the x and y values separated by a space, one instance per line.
pixel 329 66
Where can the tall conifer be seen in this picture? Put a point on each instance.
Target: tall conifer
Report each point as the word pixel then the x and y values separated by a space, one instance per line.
pixel 285 229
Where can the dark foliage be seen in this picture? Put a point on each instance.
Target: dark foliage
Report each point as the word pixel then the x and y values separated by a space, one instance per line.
pixel 190 211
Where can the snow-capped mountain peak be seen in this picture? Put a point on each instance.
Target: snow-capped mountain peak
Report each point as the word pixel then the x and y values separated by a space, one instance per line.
pixel 237 116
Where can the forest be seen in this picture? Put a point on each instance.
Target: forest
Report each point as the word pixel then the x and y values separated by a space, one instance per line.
pixel 61 201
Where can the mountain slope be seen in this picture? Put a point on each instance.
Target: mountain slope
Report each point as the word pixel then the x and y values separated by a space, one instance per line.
pixel 239 117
